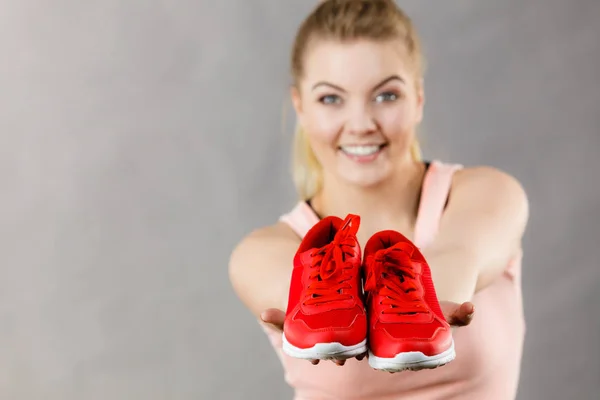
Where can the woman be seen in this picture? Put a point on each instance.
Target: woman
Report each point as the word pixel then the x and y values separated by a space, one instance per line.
pixel 358 96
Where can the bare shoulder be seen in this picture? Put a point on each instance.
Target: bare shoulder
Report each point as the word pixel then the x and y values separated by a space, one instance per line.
pixel 484 180
pixel 260 267
pixel 487 213
pixel 490 191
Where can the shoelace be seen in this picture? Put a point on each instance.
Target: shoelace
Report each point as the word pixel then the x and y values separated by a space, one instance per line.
pixel 392 275
pixel 329 269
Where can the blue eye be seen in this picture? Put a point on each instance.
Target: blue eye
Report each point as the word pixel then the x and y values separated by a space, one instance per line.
pixel 385 97
pixel 330 99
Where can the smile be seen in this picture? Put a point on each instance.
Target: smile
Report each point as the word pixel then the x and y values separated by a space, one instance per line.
pixel 363 153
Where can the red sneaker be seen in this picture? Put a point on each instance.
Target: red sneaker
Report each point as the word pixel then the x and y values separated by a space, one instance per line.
pixel 326 317
pixel 407 330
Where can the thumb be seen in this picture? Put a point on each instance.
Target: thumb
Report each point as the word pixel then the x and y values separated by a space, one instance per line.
pixel 273 317
pixel 458 314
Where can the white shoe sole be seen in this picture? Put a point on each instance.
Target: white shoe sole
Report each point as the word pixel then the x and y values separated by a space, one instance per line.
pixel 413 360
pixel 324 351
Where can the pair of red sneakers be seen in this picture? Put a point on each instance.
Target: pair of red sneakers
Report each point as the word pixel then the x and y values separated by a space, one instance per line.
pixel 398 314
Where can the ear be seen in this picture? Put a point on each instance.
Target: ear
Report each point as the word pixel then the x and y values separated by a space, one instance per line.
pixel 420 101
pixel 297 102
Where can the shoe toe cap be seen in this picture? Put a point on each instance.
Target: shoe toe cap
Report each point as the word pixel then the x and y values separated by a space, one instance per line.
pixel 388 340
pixel 347 327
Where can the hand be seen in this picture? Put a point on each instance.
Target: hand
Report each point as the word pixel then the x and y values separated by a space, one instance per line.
pixel 275 318
pixel 456 314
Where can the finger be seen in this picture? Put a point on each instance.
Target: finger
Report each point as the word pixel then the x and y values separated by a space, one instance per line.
pixel 314 362
pixel 273 317
pixel 464 314
pixel 458 314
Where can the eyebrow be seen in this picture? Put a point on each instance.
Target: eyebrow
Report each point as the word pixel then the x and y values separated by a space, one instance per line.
pixel 386 80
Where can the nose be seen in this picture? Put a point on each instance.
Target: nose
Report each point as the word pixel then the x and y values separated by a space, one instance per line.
pixel 361 120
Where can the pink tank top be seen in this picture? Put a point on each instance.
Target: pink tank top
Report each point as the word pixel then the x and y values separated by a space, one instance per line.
pixel 488 351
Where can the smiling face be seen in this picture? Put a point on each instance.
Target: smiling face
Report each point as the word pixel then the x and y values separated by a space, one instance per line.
pixel 359 104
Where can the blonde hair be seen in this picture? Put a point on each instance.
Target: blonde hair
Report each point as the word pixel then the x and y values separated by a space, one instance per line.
pixel 345 20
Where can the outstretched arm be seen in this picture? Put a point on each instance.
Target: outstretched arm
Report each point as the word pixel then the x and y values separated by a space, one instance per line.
pixel 480 233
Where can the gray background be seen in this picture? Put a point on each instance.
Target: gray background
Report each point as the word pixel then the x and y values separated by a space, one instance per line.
pixel 140 140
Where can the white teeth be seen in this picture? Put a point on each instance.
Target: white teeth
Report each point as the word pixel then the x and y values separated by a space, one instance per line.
pixel 361 150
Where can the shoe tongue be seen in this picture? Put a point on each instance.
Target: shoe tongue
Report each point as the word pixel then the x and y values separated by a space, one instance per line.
pixel 402 246
pixel 398 258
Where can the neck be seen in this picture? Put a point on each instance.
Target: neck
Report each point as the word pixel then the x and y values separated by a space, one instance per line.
pixel 394 201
